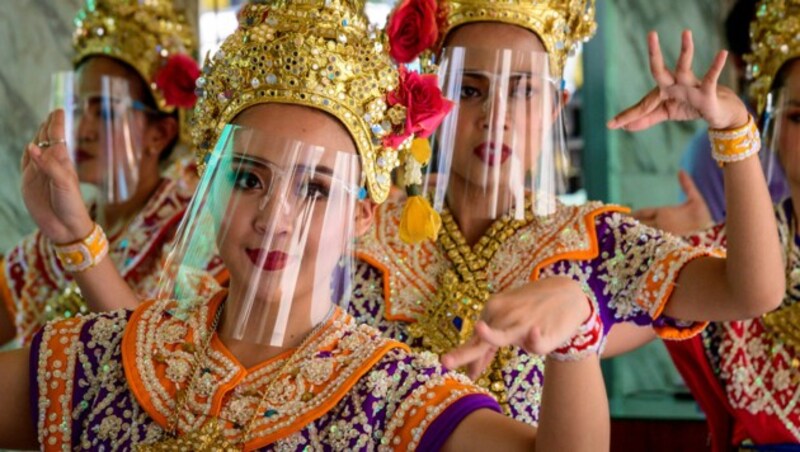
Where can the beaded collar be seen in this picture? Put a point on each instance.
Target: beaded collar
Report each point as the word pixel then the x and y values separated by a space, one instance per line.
pixel 441 289
pixel 411 272
pixel 158 349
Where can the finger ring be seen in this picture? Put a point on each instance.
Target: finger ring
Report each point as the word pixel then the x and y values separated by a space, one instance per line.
pixel 48 143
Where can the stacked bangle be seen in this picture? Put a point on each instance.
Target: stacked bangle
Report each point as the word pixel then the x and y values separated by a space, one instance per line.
pixel 83 254
pixel 735 145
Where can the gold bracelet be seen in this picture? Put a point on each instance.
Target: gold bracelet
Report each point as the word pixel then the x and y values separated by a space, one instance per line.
pixel 84 254
pixel 735 145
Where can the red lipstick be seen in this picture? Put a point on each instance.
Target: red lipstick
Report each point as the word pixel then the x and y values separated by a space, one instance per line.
pixel 274 260
pixel 491 155
pixel 82 156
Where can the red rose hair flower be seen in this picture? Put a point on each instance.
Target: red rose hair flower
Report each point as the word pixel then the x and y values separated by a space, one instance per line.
pixel 176 80
pixel 412 29
pixel 425 106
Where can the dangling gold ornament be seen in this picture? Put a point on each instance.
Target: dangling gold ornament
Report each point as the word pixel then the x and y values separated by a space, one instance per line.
pixel 209 438
pixel 463 291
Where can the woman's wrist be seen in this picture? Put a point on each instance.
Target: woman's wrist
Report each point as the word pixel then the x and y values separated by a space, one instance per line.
pixel 589 338
pixel 734 145
pixel 739 119
pixel 79 231
pixel 82 254
pixel 63 233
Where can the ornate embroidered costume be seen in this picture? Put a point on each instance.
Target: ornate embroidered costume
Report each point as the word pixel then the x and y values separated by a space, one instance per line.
pixel 417 293
pixel 114 380
pixel 35 289
pixel 746 374
pixel 147 38
pixel 161 378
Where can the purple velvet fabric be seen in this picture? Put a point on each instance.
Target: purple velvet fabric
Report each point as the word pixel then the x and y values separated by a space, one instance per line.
pixel 444 426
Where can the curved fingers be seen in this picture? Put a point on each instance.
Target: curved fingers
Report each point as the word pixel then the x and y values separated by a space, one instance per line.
pixel 55 125
pixel 476 368
pixel 646 106
pixel 513 335
pixel 661 75
pixel 56 132
pixel 41 133
pixel 645 122
pixel 499 311
pixel 711 78
pixel 683 69
pixel 470 352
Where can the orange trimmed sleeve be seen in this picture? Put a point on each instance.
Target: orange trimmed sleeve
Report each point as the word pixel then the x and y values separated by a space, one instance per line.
pixel 419 411
pixel 57 351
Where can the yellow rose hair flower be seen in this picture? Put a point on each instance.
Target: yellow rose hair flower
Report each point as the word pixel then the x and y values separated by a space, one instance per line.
pixel 419 221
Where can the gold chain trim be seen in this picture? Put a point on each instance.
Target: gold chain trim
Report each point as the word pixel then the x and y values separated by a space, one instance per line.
pixel 450 320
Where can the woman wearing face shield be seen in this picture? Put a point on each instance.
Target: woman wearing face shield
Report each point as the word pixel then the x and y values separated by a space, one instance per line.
pixel 302 104
pixel 746 374
pixel 124 106
pixel 512 269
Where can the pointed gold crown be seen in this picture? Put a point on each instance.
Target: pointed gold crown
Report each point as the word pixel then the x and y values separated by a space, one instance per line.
pixel 141 33
pixel 315 53
pixel 560 24
pixel 775 36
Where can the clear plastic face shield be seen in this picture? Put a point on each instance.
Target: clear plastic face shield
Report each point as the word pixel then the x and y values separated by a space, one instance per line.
pixel 501 150
pixel 104 128
pixel 282 215
pixel 781 135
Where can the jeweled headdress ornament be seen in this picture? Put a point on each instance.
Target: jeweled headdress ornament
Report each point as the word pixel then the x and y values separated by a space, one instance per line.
pixel 148 35
pixel 560 24
pixel 775 36
pixel 321 54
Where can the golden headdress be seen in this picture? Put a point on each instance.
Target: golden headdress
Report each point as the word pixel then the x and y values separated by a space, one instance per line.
pixel 144 34
pixel 560 24
pixel 316 53
pixel 775 36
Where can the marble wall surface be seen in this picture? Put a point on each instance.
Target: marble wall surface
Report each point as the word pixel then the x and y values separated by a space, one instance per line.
pixel 641 168
pixel 36 38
